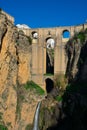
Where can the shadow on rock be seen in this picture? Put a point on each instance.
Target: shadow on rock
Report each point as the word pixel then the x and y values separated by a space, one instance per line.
pixel 74 107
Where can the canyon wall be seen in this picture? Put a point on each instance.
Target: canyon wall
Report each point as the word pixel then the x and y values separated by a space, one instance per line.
pixel 17 105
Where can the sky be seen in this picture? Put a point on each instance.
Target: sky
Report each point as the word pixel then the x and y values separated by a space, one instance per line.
pixel 46 13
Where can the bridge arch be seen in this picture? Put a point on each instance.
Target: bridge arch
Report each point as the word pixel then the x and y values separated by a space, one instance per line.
pixel 50 42
pixel 66 33
pixel 49 85
pixel 41 63
pixel 34 34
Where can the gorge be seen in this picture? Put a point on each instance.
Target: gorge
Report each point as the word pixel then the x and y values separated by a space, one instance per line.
pixel 24 81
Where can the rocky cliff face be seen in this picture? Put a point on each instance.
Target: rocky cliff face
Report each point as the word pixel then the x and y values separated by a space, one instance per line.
pixel 76 50
pixel 8 72
pixel 17 105
pixel 49 114
pixel 71 112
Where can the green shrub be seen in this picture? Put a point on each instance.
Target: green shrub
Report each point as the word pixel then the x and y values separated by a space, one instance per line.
pixel 33 86
pixel 58 98
pixel 48 74
pixel 60 81
pixel 81 36
pixel 2 127
pixel 29 39
pixel 28 127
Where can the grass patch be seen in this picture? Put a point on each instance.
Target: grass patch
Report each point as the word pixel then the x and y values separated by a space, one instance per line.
pixel 33 86
pixel 48 74
pixel 28 127
pixel 2 127
pixel 60 81
pixel 81 36
pixel 58 98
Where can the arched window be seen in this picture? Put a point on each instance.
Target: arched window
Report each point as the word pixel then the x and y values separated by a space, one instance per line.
pixel 49 85
pixel 50 42
pixel 34 34
pixel 66 34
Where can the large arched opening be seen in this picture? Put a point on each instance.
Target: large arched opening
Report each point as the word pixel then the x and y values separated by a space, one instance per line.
pixel 49 85
pixel 34 34
pixel 50 44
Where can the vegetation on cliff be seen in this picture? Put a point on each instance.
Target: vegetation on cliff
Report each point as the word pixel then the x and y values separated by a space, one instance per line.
pixel 18 98
pixel 30 85
pixel 17 103
pixel 72 107
pixel 76 50
pixel 2 127
pixel 74 103
pixel 60 81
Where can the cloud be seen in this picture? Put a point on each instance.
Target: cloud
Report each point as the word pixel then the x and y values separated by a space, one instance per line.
pixel 21 26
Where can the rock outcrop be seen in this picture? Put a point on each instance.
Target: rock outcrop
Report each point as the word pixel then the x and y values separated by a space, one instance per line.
pixel 17 105
pixel 8 72
pixel 17 102
pixel 49 113
pixel 71 112
pixel 76 50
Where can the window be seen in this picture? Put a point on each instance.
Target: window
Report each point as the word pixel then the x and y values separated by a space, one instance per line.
pixel 66 34
pixel 35 35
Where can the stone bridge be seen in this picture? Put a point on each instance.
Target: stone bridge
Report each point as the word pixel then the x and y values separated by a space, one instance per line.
pixel 53 39
pixel 48 57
